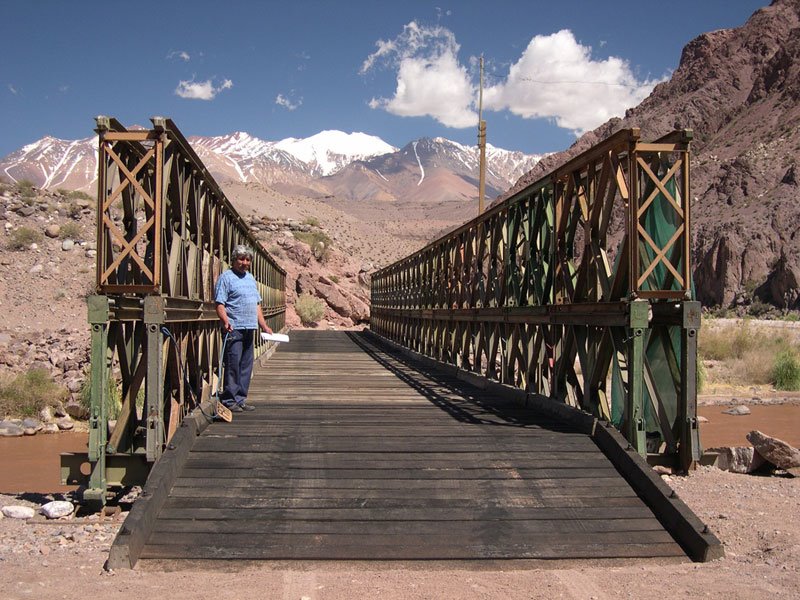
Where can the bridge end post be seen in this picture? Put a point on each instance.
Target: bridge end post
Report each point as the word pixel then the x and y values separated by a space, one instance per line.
pixel 98 316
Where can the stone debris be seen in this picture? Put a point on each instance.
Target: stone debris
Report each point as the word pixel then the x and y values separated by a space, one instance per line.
pixel 18 512
pixel 738 410
pixel 774 450
pixel 57 509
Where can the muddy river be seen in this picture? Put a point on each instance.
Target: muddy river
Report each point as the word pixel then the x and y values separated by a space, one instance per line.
pixel 32 464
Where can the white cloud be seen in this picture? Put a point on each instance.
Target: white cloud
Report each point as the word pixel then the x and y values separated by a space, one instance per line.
pixel 182 54
pixel 287 103
pixel 201 90
pixel 430 80
pixel 557 78
pixel 63 89
pixel 12 89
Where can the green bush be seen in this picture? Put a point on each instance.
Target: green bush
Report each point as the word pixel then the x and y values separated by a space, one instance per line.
pixel 786 371
pixel 27 393
pixel 309 309
pixel 318 241
pixel 113 396
pixel 334 278
pixel 70 231
pixel 23 237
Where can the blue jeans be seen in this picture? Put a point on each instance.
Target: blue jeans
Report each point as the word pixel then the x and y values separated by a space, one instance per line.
pixel 238 363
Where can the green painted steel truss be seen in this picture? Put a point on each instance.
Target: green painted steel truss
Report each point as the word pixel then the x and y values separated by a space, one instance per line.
pixel 165 231
pixel 577 288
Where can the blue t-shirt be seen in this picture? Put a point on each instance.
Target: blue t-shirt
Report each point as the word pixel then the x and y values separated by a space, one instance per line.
pixel 239 294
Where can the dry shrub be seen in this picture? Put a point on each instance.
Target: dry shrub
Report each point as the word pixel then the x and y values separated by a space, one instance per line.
pixel 309 309
pixel 27 393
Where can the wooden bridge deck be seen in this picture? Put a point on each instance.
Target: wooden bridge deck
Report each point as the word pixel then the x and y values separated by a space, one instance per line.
pixel 356 453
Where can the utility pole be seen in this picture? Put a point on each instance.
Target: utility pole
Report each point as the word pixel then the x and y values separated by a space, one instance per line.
pixel 481 147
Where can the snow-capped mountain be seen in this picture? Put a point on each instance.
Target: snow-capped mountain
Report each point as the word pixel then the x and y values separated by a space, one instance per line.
pixel 53 163
pixel 347 165
pixel 429 170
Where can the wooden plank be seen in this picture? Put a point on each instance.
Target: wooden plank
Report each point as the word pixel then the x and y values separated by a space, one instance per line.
pixel 380 528
pixel 409 514
pixel 495 550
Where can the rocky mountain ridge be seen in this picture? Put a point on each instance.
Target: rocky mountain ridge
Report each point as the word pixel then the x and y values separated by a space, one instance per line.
pixel 354 166
pixel 739 90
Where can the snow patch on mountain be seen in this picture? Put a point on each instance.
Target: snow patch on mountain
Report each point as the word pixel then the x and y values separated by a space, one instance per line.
pixel 331 150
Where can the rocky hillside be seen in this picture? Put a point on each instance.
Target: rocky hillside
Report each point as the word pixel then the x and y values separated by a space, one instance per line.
pixel 739 90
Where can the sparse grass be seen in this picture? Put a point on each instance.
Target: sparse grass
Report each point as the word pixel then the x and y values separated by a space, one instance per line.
pixel 312 221
pixel 75 194
pixel 27 393
pixel 334 278
pixel 70 231
pixel 786 371
pixel 744 354
pixel 309 309
pixel 25 188
pixel 23 237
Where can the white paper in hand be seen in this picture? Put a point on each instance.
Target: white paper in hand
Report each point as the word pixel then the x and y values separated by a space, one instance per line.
pixel 274 337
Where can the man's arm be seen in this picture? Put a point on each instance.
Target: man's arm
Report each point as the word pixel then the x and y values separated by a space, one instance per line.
pixel 223 316
pixel 261 322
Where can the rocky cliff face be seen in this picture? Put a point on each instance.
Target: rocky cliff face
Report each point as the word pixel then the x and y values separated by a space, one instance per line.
pixel 739 90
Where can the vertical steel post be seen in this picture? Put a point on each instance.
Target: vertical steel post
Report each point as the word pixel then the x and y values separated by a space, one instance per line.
pixel 98 316
pixel 689 449
pixel 154 390
pixel 638 323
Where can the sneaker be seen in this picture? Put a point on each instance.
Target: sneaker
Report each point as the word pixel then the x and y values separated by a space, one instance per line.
pixel 235 408
pixel 248 407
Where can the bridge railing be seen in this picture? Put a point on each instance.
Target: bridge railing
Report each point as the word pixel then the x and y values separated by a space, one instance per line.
pixel 577 288
pixel 165 231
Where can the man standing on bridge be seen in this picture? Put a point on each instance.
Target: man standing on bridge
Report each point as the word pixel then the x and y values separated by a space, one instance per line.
pixel 239 310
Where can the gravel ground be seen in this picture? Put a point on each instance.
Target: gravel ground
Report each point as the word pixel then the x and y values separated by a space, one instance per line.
pixel 754 516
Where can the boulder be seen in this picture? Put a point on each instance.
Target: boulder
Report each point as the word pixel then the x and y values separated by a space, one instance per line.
pixel 52 231
pixel 31 423
pixel 18 512
pixel 8 429
pixel 76 410
pixel 778 452
pixel 46 414
pixel 57 509
pixel 737 459
pixel 65 423
pixel 67 245
pixel 50 428
pixel 739 410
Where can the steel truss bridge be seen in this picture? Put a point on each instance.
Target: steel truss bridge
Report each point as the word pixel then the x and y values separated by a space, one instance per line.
pixel 518 374
pixel 577 288
pixel 165 231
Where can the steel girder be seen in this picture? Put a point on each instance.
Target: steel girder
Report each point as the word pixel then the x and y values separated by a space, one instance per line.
pixel 577 288
pixel 165 231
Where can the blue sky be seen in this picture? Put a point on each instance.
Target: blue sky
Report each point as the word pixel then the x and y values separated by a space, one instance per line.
pixel 400 70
